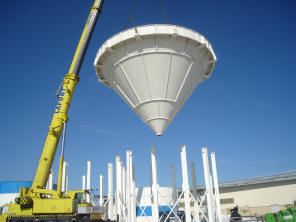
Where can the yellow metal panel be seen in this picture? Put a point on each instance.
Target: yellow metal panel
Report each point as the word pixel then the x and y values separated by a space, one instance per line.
pixel 3 217
pixel 52 206
pixel 15 210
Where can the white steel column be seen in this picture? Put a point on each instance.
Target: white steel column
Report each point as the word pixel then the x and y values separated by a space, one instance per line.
pixel 101 200
pixel 133 193
pixel 66 181
pixel 151 177
pixel 175 195
pixel 212 191
pixel 110 191
pixel 88 166
pixel 83 182
pixel 155 212
pixel 50 181
pixel 194 192
pixel 64 172
pixel 123 191
pixel 209 191
pixel 66 188
pixel 185 185
pixel 118 189
pixel 216 186
pixel 128 184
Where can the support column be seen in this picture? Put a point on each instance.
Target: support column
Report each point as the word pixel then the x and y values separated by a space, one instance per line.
pixel 175 195
pixel 66 189
pixel 133 194
pixel 185 185
pixel 207 175
pixel 50 181
pixel 155 212
pixel 194 192
pixel 101 200
pixel 123 191
pixel 83 182
pixel 118 189
pixel 88 166
pixel 110 191
pixel 216 186
pixel 64 172
pixel 128 184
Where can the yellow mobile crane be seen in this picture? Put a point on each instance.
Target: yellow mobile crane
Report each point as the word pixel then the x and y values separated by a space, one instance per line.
pixel 36 203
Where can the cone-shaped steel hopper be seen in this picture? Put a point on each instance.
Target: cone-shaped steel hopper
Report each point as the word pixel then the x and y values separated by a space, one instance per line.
pixel 154 69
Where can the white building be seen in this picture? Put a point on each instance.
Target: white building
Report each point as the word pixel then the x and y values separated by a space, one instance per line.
pixel 257 196
pixel 9 190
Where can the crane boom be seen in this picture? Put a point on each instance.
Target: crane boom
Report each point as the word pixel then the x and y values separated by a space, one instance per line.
pixel 37 203
pixel 64 98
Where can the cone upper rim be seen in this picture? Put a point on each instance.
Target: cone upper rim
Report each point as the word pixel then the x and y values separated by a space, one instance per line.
pixel 139 32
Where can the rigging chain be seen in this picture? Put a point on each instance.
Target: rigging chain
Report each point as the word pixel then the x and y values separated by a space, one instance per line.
pixel 131 18
pixel 131 15
pixel 163 11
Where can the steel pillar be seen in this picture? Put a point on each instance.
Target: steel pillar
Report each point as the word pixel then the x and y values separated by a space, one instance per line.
pixel 123 192
pixel 194 192
pixel 185 185
pixel 209 190
pixel 88 166
pixel 216 186
pixel 66 187
pixel 128 184
pixel 64 174
pixel 83 182
pixel 50 181
pixel 133 194
pixel 110 191
pixel 101 200
pixel 175 195
pixel 155 211
pixel 118 189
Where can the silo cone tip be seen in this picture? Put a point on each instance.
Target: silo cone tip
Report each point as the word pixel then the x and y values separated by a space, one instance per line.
pixel 158 126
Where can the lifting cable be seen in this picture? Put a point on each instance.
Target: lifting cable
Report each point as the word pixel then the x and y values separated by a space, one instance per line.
pixel 131 17
pixel 163 11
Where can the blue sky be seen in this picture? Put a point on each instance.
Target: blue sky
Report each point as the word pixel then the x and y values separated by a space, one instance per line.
pixel 245 112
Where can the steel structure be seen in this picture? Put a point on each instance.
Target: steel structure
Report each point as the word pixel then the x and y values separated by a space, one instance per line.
pixel 154 69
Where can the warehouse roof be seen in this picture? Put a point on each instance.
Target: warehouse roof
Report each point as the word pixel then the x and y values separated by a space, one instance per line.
pixel 258 180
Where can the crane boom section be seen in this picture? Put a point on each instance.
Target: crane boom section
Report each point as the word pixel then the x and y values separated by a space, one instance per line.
pixel 64 99
pixel 55 129
pixel 85 37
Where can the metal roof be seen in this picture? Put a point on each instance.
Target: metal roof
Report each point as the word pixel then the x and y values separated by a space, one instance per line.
pixel 256 180
pixel 260 180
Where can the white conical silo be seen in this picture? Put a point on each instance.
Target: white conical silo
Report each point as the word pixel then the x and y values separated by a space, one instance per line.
pixel 154 69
